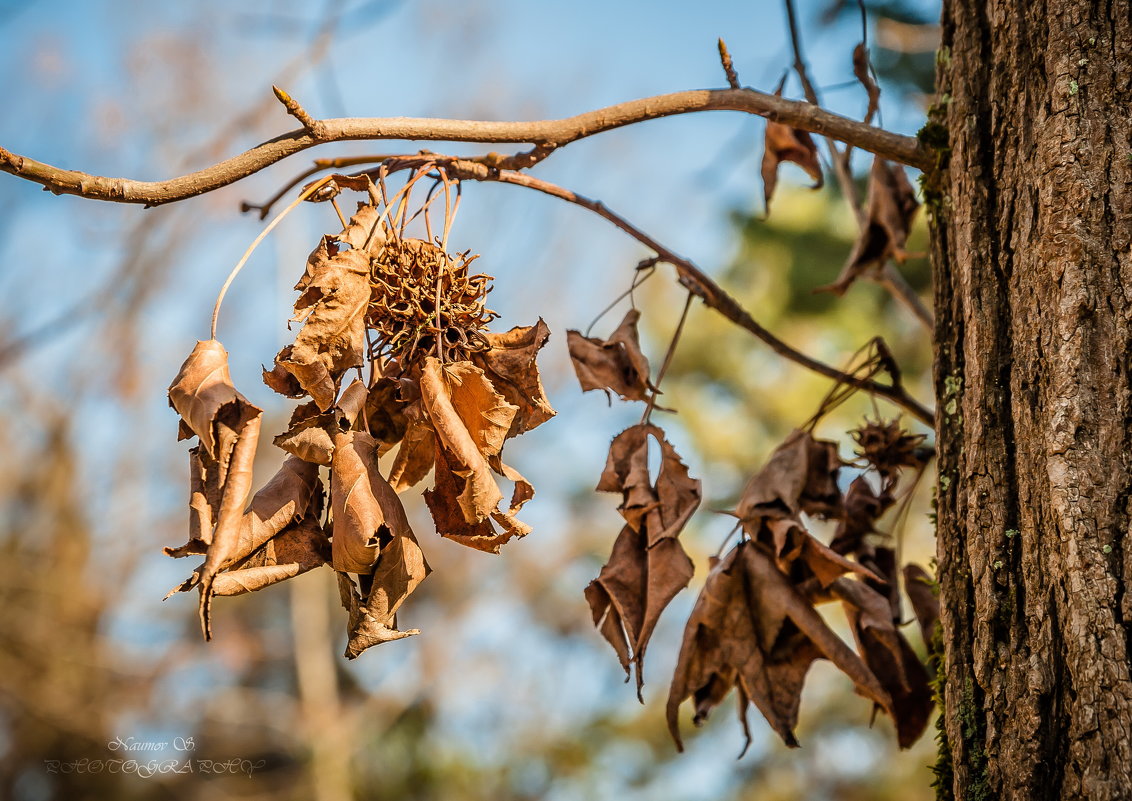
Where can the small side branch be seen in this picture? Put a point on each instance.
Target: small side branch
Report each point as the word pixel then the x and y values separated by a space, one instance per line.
pixel 314 127
pixel 728 65
pixel 545 135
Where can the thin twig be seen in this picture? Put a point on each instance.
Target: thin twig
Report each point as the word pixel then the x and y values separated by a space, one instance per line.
pixel 546 135
pixel 728 65
pixel 668 354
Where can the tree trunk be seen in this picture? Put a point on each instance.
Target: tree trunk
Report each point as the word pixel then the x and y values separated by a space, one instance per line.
pixel 1032 225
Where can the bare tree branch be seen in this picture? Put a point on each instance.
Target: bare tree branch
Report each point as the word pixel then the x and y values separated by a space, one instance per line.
pixel 546 135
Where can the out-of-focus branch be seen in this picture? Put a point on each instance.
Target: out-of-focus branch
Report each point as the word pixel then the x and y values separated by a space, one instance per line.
pixel 547 135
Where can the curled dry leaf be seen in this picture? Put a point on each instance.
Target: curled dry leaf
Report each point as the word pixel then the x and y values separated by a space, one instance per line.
pixel 511 367
pixel 614 364
pixel 471 422
pixel 221 467
pixel 648 566
pixel 800 476
pixel 752 629
pixel 783 143
pixel 334 300
pixel 367 513
pixel 363 629
pixel 861 70
pixel 892 206
pixel 863 507
pixel 295 551
pixel 310 434
pixel 889 657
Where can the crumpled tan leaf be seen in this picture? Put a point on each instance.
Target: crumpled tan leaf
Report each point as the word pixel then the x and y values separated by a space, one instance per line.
pixel 334 299
pixel 310 433
pixel 220 474
pixel 752 629
pixel 614 364
pixel 891 208
pixel 647 566
pixel 400 569
pixel 511 367
pixel 471 422
pixel 367 513
pixel 783 143
pixel 296 550
pixel 862 74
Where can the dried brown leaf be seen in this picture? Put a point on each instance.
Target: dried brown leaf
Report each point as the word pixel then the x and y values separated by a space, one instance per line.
pixel 891 207
pixel 614 364
pixel 751 627
pixel 225 537
pixel 511 367
pixel 310 435
pixel 889 657
pixel 296 550
pixel 367 512
pixel 445 504
pixel 783 143
pixel 863 507
pixel 633 589
pixel 800 476
pixel 209 405
pixel 333 304
pixel 647 566
pixel 363 628
pixel 670 504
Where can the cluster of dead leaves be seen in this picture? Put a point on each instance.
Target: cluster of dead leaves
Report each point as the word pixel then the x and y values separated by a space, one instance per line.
pixel 443 391
pixel 648 566
pixel 755 627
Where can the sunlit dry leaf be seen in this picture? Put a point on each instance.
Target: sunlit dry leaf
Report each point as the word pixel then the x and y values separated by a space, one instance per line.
pixel 209 405
pixel 670 504
pixel 892 206
pixel 889 657
pixel 225 537
pixel 310 435
pixel 511 367
pixel 363 628
pixel 333 305
pixel 293 493
pixel 471 422
pixel 296 550
pixel 400 570
pixel 752 628
pixel 444 503
pixel 367 512
pixel 783 143
pixel 614 364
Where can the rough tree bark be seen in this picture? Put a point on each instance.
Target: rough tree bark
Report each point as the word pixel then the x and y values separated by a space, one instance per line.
pixel 1033 219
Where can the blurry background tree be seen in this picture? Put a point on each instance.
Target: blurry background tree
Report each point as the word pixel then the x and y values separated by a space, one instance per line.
pixel 510 693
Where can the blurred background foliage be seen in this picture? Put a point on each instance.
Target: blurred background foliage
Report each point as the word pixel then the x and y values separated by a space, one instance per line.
pixel 508 693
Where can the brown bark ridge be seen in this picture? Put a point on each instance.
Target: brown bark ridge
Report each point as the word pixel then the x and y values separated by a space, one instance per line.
pixel 1032 226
